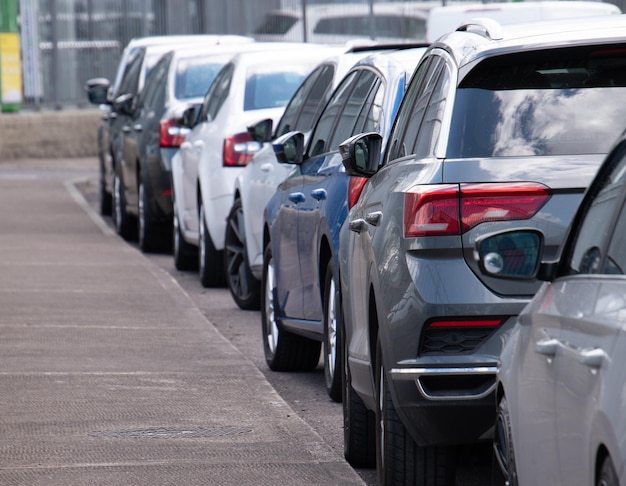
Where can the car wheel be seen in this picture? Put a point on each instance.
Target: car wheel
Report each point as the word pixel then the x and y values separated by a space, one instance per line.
pixel 399 460
pixel 150 239
pixel 608 475
pixel 211 261
pixel 359 423
pixel 283 350
pixel 106 198
pixel 121 218
pixel 185 255
pixel 244 288
pixel 503 445
pixel 332 338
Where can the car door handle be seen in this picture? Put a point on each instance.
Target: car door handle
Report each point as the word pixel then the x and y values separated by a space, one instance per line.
pixel 296 197
pixel 266 167
pixel 137 127
pixel 547 346
pixel 185 145
pixel 592 357
pixel 357 225
pixel 318 194
pixel 198 144
pixel 112 115
pixel 373 218
pixel 126 129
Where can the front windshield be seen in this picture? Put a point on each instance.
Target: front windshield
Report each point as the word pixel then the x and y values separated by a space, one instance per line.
pixel 568 103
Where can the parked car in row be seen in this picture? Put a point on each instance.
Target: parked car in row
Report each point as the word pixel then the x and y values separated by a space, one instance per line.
pixel 138 57
pixel 142 196
pixel 300 305
pixel 560 380
pixel 252 86
pixel 500 128
pixel 257 182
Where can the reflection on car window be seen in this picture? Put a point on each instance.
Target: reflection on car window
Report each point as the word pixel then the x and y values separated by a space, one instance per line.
pixel 194 76
pixel 272 89
pixel 591 238
pixel 540 105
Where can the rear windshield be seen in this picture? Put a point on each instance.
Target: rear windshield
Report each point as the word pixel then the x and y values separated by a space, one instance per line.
pixel 194 76
pixel 272 89
pixel 570 101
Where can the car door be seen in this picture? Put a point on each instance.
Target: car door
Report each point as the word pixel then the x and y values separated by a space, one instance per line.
pixel 324 182
pixel 194 143
pixel 591 302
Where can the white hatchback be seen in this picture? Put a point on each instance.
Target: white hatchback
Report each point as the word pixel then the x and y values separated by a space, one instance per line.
pixel 254 85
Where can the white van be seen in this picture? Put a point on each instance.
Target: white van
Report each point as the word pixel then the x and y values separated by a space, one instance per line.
pixel 341 23
pixel 442 20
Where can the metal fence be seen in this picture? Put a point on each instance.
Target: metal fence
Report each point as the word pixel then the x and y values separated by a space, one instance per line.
pixel 66 42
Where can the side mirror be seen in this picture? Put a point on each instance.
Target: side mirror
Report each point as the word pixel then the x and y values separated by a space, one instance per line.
pixel 124 104
pixel 360 154
pixel 189 116
pixel 510 254
pixel 262 131
pixel 289 148
pixel 97 90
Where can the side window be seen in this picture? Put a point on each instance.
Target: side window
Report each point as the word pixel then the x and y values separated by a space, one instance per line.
pixel 321 134
pixel 153 93
pixel 429 130
pixel 355 110
pixel 316 99
pixel 296 104
pixel 130 78
pixel 369 120
pixel 588 252
pixel 404 135
pixel 217 93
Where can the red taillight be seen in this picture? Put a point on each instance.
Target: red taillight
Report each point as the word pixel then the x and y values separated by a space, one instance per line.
pixel 450 210
pixel 171 135
pixel 355 187
pixel 239 149
pixel 450 323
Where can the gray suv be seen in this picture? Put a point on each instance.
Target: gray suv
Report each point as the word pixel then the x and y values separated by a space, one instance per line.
pixel 498 129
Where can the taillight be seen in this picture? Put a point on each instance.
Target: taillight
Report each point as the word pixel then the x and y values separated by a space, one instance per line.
pixel 355 187
pixel 171 135
pixel 452 210
pixel 239 149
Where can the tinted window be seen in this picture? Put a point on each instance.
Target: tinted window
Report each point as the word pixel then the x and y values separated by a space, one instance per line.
pixel 153 94
pixel 590 240
pixel 566 101
pixel 276 24
pixel 271 89
pixel 130 78
pixel 308 101
pixel 194 76
pixel 384 26
pixel 217 93
pixel 403 138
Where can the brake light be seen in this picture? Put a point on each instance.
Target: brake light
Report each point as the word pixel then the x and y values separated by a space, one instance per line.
pixel 355 188
pixel 453 210
pixel 171 135
pixel 239 149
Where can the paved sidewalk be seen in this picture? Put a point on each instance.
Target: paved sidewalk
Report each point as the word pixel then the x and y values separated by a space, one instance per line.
pixel 109 375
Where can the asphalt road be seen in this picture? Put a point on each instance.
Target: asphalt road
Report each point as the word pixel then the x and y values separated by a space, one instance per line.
pixel 304 392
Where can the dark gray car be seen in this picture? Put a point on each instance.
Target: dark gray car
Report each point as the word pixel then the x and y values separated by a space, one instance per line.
pixel 498 129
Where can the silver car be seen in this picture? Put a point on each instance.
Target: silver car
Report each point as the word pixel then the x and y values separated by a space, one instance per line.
pixel 500 128
pixel 561 380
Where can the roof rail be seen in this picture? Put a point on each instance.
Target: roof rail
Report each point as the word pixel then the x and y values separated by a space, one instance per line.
pixel 489 28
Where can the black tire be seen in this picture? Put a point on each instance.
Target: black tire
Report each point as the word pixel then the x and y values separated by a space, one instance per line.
pixel 332 336
pixel 106 198
pixel 121 219
pixel 607 475
pixel 399 460
pixel 151 235
pixel 359 423
pixel 504 453
pixel 283 350
pixel 185 254
pixel 210 261
pixel 244 288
